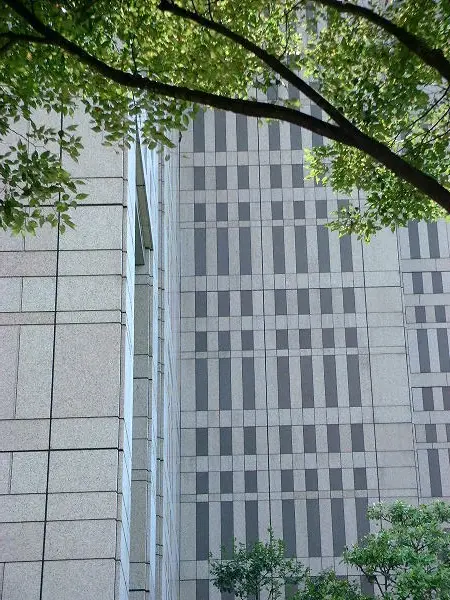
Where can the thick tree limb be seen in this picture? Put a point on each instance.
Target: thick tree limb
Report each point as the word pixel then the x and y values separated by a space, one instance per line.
pixel 378 151
pixel 13 37
pixel 136 81
pixel 269 59
pixel 415 44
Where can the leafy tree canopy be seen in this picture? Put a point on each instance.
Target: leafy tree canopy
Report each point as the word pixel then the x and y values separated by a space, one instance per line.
pixel 380 75
pixel 406 558
pixel 409 557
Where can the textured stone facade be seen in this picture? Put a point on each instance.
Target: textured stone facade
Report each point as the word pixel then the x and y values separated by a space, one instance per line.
pixel 205 302
pixel 81 462
pixel 315 369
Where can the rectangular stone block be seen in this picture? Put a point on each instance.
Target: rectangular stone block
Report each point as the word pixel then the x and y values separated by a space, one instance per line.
pixel 34 378
pixel 9 346
pixel 87 370
pixel 80 539
pixel 18 434
pixel 32 264
pixel 21 581
pixel 99 292
pixel 389 371
pixel 15 508
pixel 79 580
pixel 90 232
pixel 29 472
pixel 21 541
pixel 10 293
pixel 38 294
pixel 384 299
pixel 397 478
pixel 95 432
pixel 86 262
pixel 394 436
pixel 82 505
pixel 83 470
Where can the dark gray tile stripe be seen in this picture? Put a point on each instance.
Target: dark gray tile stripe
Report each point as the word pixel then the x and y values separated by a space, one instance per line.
pixel 227 528
pixel 221 178
pixel 301 249
pixel 333 438
pixel 345 247
pixel 220 131
pixel 202 531
pixel 202 482
pixel 298 180
pixel 243 177
pixel 201 384
pixel 284 386
pixel 323 247
pixel 278 249
pixel 201 441
pixel 436 281
pixel 251 522
pixel 241 133
pixel 338 525
pixel 202 589
pixel 435 473
pixel 222 251
pixel 275 176
pixel 313 527
pixel 417 283
pixel 248 382
pixel 225 383
pixel 280 302
pixel 199 132
pixel 309 439
pixel 413 235
pixel 424 352
pixel 223 302
pixel 307 385
pixel 330 379
pixel 274 136
pixel 357 435
pixel 285 433
pixel 295 137
pixel 199 178
pixel 353 378
pixel 348 295
pixel 289 531
pixel 250 440
pixel 362 522
pixel 245 251
pixel 200 251
pixel 317 140
pixel 443 349
pixel 201 304
pixel 226 441
pixel 433 240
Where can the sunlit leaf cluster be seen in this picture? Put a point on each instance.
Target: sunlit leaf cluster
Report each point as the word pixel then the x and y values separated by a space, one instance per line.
pixel 393 96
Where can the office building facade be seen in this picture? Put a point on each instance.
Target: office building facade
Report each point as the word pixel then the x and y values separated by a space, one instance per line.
pixel 200 359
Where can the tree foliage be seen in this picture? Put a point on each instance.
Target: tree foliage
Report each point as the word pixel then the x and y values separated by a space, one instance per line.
pixel 409 557
pixel 406 558
pixel 380 76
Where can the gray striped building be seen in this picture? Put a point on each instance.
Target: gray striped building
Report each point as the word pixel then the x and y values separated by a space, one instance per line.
pixel 202 358
pixel 315 370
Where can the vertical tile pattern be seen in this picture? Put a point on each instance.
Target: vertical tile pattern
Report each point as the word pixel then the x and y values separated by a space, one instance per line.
pixel 312 391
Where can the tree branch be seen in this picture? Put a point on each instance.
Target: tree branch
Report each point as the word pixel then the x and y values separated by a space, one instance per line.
pixel 22 37
pixel 423 182
pixel 269 59
pixel 415 44
pixel 136 81
pixel 380 152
